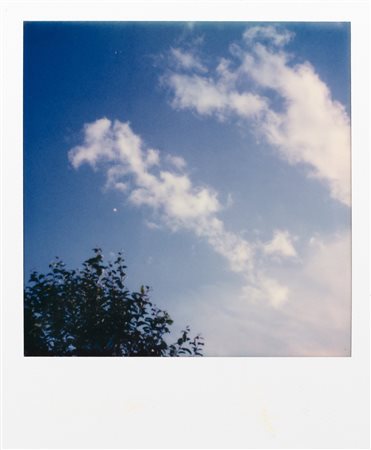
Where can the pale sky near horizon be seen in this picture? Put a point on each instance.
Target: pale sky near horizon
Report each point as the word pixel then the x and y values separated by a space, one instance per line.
pixel 216 156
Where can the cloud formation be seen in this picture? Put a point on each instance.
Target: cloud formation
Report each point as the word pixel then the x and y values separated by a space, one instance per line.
pixel 138 172
pixel 208 97
pixel 281 245
pixel 115 145
pixel 170 195
pixel 269 33
pixel 187 60
pixel 316 323
pixel 308 127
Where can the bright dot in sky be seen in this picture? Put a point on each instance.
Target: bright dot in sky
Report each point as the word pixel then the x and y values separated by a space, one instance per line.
pixel 114 209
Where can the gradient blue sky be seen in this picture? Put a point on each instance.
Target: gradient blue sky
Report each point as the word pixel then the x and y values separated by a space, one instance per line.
pixel 259 114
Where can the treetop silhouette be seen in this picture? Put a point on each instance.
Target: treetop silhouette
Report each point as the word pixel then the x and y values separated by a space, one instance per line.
pixel 90 312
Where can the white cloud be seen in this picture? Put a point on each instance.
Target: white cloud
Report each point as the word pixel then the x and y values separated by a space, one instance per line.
pixel 153 157
pixel 278 37
pixel 113 175
pixel 238 252
pixel 309 128
pixel 266 290
pixel 280 245
pixel 92 150
pixel 123 187
pixel 187 60
pixel 323 292
pixel 175 202
pixel 312 129
pixel 196 92
pixel 314 322
pixel 171 195
pixel 209 97
pixel 152 225
pixel 176 161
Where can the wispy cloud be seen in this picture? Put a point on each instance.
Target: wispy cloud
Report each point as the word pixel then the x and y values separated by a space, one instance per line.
pixel 308 128
pixel 121 152
pixel 315 323
pixel 136 170
pixel 176 161
pixel 174 201
pixel 269 33
pixel 281 245
pixel 208 96
pixel 187 60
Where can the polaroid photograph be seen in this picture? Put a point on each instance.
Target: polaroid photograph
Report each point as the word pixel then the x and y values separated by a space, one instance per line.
pixel 191 185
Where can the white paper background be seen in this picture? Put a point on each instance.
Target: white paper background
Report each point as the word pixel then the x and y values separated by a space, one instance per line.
pixel 181 403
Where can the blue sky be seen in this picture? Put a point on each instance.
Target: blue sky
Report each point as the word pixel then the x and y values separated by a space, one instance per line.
pixel 216 156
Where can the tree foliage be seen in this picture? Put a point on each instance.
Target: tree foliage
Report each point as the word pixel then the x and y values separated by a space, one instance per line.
pixel 90 312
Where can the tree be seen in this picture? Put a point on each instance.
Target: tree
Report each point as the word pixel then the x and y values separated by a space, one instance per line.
pixel 90 312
